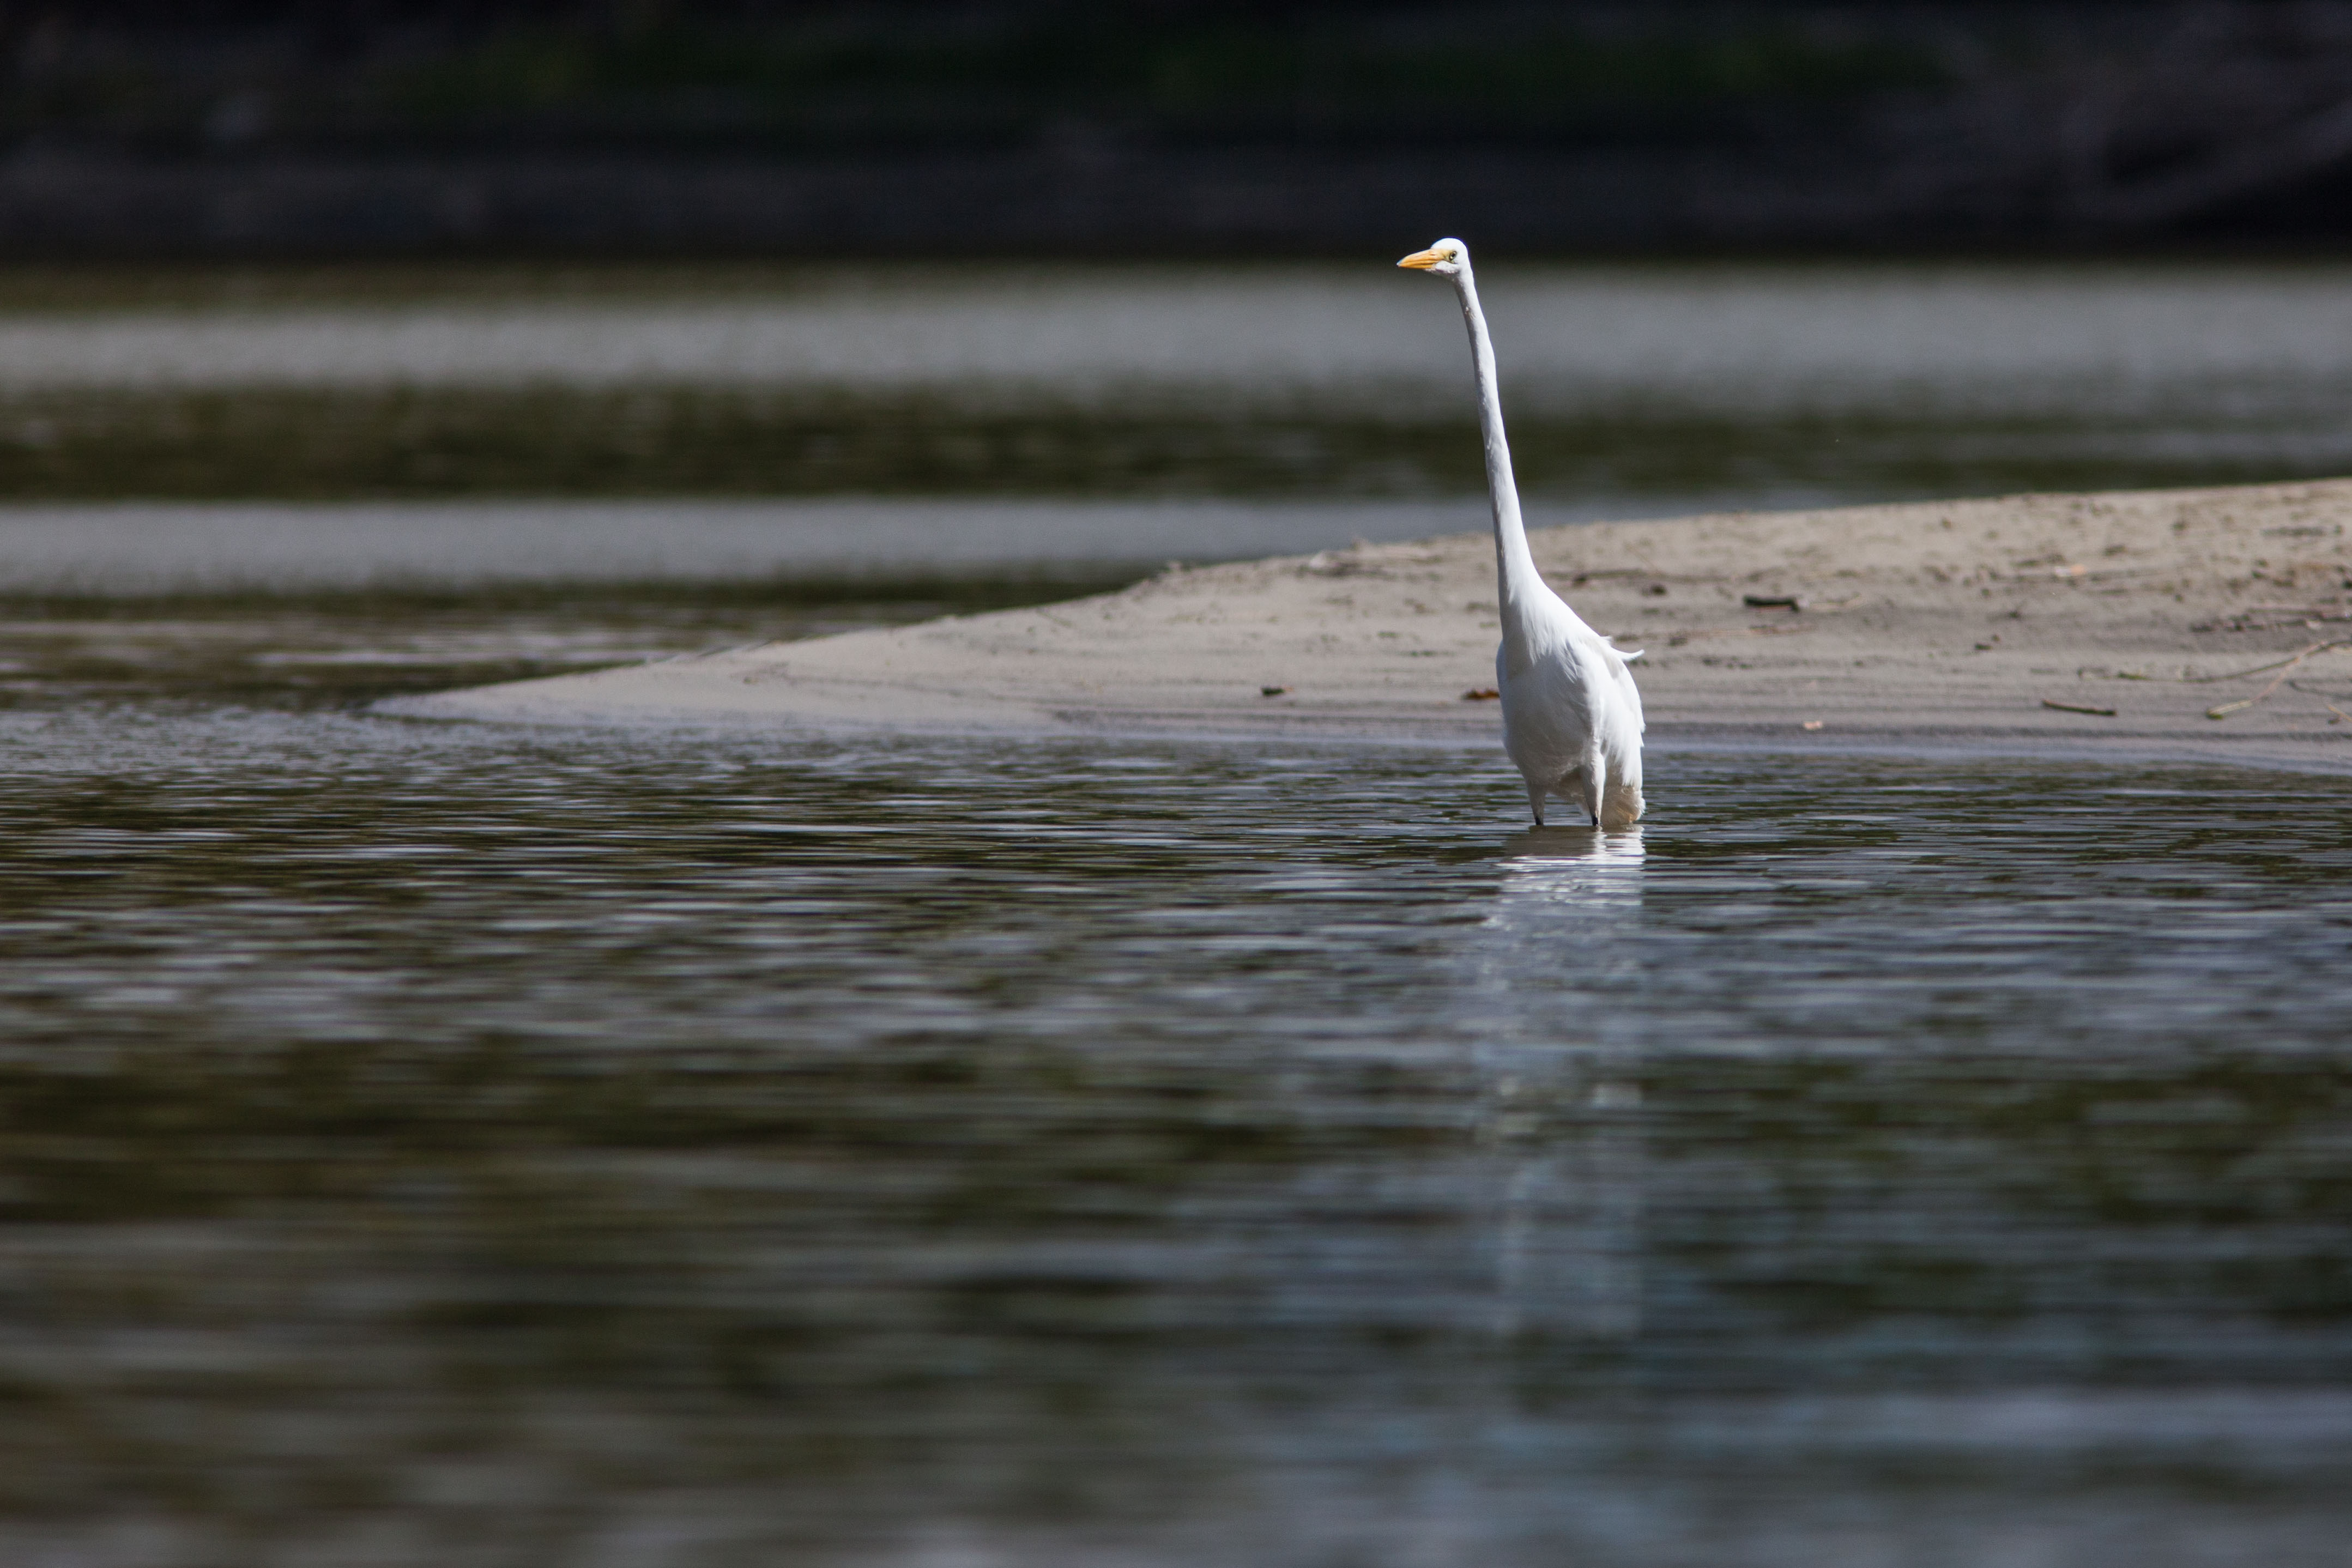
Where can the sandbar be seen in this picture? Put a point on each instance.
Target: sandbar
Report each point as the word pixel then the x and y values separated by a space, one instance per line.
pixel 2117 624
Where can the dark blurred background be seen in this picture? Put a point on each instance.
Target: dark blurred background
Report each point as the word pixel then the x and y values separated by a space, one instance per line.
pixel 141 127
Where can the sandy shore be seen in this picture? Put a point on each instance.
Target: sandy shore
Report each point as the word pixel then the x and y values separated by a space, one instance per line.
pixel 1990 625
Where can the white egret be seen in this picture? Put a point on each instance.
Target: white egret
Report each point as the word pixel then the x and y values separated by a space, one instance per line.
pixel 1571 717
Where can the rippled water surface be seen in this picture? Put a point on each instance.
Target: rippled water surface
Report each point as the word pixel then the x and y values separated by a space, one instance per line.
pixel 443 1145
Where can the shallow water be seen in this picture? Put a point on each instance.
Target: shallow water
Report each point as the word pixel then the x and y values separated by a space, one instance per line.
pixel 1633 389
pixel 443 1145
pixel 2026 338
pixel 133 557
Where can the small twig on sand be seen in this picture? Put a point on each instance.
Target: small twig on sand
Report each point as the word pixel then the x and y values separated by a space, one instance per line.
pixel 2284 667
pixel 2077 707
pixel 2288 663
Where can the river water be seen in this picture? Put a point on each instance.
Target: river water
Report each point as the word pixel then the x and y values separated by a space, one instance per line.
pixel 1632 389
pixel 432 1144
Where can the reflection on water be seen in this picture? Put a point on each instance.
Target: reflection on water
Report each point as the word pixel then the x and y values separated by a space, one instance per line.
pixel 429 1144
pixel 1582 867
pixel 1564 1125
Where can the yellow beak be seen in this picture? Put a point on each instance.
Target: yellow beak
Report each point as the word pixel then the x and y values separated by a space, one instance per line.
pixel 1421 260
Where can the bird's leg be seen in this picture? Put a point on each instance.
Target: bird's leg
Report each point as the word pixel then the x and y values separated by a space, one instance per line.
pixel 1535 801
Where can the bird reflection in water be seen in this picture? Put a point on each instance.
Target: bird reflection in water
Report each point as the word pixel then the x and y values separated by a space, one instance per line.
pixel 1561 1111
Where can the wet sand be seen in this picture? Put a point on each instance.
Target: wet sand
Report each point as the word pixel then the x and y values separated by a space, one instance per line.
pixel 1985 625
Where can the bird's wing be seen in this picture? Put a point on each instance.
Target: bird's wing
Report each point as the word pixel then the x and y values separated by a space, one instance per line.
pixel 1633 694
pixel 1620 667
pixel 1613 656
pixel 1573 629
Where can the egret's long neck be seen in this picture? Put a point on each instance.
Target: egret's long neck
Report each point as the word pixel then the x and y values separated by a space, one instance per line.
pixel 1517 582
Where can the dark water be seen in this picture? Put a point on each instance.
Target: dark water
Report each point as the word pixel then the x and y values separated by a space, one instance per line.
pixel 434 1145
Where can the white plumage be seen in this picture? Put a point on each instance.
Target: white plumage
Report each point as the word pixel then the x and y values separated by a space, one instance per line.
pixel 1571 717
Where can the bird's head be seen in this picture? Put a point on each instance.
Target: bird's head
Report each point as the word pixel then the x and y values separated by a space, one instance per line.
pixel 1447 259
